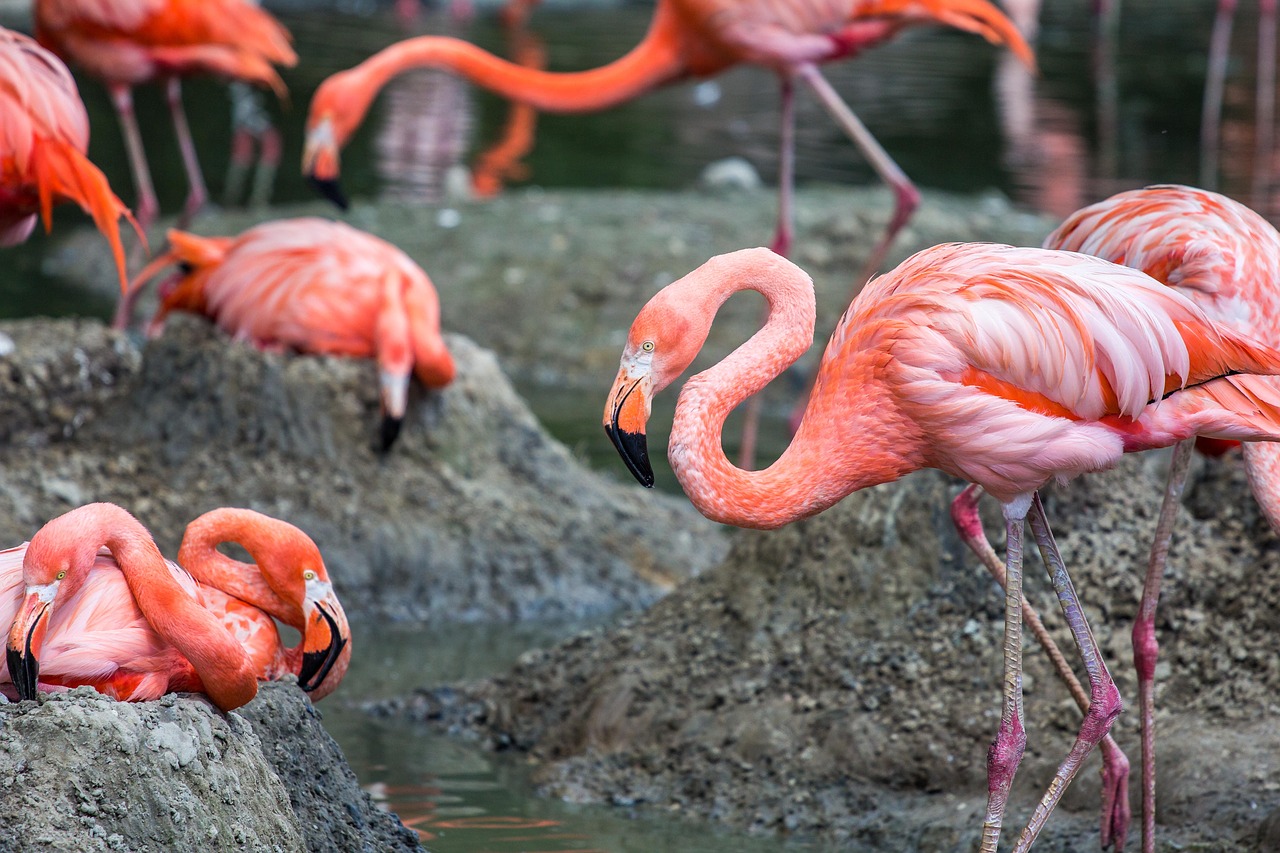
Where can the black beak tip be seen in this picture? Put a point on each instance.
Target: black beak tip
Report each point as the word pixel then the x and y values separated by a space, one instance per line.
pixel 24 669
pixel 634 450
pixel 388 433
pixel 331 190
pixel 316 665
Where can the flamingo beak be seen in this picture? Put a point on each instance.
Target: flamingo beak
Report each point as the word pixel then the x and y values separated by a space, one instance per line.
pixel 320 162
pixel 395 401
pixel 326 636
pixel 625 416
pixel 26 637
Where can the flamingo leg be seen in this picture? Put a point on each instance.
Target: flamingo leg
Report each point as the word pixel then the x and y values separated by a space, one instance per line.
pixel 1264 127
pixel 147 208
pixel 1104 705
pixel 1116 814
pixel 1010 742
pixel 907 197
pixel 1145 647
pixel 270 147
pixel 1214 84
pixel 781 245
pixel 197 194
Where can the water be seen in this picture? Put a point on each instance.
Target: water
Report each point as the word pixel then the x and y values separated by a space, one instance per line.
pixel 1070 136
pixel 462 799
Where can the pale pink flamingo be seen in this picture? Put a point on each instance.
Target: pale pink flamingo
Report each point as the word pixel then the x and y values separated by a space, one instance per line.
pixel 134 640
pixel 315 286
pixel 128 42
pixel 1005 367
pixel 44 137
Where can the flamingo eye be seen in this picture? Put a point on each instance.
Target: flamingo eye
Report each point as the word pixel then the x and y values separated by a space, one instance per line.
pixel 61 575
pixel 308 575
pixel 647 346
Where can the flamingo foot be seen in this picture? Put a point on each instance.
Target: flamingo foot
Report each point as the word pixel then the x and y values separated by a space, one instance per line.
pixel 1116 814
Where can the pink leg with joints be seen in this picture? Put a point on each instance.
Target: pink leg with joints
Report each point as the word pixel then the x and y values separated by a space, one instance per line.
pixel 146 208
pixel 1116 814
pixel 197 195
pixel 1104 698
pixel 1145 646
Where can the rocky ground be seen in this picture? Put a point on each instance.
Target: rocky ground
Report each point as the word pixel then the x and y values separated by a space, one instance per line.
pixel 83 772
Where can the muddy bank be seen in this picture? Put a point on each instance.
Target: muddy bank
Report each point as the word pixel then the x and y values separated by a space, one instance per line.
pixel 83 772
pixel 475 514
pixel 840 678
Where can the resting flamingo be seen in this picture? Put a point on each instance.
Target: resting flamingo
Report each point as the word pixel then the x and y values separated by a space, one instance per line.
pixel 44 138
pixel 1005 367
pixel 687 38
pixel 287 580
pixel 319 287
pixel 133 641
pixel 128 42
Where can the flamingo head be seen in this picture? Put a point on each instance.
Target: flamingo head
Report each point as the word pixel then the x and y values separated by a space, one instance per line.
pixel 55 566
pixel 665 338
pixel 337 109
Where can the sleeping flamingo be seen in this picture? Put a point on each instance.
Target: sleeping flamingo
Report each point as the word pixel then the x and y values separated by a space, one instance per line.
pixel 128 42
pixel 100 627
pixel 1005 367
pixel 287 581
pixel 133 641
pixel 43 141
pixel 686 39
pixel 318 287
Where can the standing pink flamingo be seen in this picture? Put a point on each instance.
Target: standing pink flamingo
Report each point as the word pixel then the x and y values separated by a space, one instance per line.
pixel 135 641
pixel 686 39
pixel 1226 259
pixel 318 287
pixel 128 42
pixel 44 137
pixel 1005 367
pixel 287 580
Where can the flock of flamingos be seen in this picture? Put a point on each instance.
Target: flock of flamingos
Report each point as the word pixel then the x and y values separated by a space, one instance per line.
pixel 1141 323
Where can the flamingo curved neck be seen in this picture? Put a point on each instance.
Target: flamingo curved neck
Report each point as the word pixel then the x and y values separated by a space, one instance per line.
pixel 249 582
pixel 844 443
pixel 654 61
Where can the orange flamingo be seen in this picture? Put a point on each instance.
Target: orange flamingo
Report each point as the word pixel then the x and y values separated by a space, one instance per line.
pixel 134 641
pixel 687 38
pixel 43 140
pixel 287 580
pixel 128 42
pixel 318 287
pixel 1005 367
pixel 1226 259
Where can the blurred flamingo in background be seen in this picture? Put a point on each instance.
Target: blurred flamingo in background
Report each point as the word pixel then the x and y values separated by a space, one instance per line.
pixel 687 38
pixel 44 137
pixel 1005 367
pixel 132 640
pixel 287 580
pixel 317 287
pixel 128 42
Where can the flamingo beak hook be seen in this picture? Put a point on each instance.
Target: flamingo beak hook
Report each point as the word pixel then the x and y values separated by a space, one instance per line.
pixel 625 416
pixel 317 663
pixel 330 189
pixel 25 640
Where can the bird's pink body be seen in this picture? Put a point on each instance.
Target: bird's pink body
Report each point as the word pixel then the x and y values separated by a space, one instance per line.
pixel 44 136
pixel 1217 252
pixel 315 286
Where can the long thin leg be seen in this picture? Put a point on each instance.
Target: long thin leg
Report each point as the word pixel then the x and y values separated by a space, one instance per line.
pixel 147 208
pixel 907 197
pixel 782 238
pixel 1006 750
pixel 1104 705
pixel 1116 813
pixel 1145 647
pixel 1214 82
pixel 197 195
pixel 1265 133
